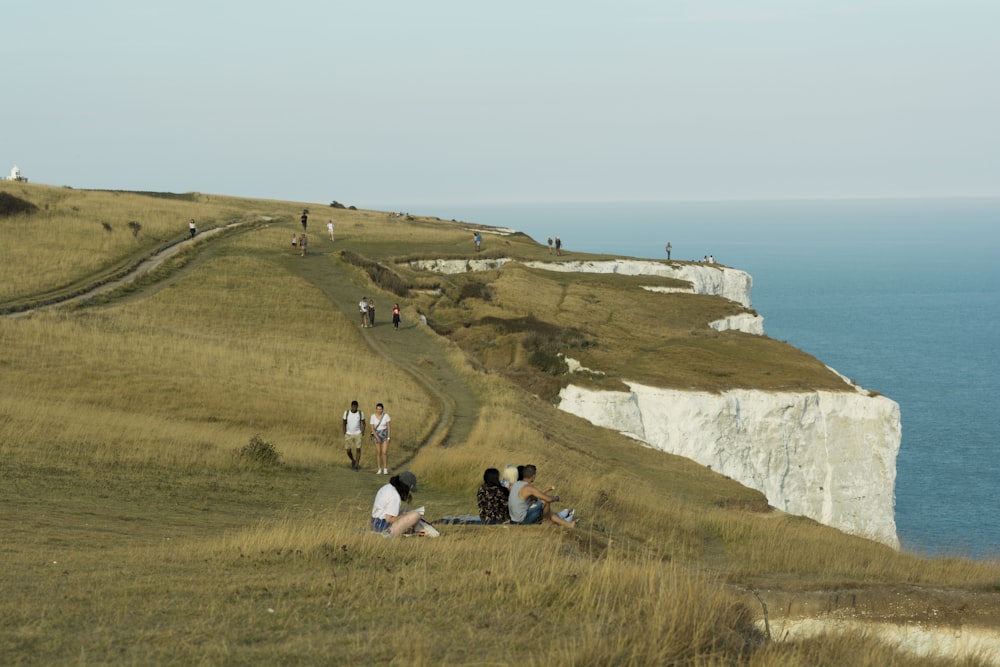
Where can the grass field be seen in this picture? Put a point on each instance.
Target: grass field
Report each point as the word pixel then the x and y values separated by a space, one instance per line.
pixel 135 532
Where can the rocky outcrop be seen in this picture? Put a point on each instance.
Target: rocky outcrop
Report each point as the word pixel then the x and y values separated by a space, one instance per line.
pixel 711 279
pixel 830 456
pixel 827 455
pixel 449 266
pixel 745 322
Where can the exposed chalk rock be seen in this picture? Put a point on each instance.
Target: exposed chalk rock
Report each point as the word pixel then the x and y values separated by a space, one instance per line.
pixel 830 456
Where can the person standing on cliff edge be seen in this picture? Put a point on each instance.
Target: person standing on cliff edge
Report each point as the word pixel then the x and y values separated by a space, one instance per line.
pixel 669 248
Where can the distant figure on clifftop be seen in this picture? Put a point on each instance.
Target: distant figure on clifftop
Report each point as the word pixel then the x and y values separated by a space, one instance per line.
pixel 558 246
pixel 304 219
pixel 192 228
pixel 669 248
pixel 550 245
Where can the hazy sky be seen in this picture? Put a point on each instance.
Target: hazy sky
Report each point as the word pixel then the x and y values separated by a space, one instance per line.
pixel 393 102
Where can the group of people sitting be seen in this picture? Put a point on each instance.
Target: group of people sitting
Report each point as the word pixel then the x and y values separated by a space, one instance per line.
pixel 513 498
pixel 508 498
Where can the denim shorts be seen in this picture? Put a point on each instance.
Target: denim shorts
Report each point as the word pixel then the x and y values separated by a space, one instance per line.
pixel 533 515
pixel 380 525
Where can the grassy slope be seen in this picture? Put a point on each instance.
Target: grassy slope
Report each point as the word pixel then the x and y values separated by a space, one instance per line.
pixel 132 534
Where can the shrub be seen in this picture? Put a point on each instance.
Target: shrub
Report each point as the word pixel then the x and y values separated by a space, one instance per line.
pixel 259 452
pixel 476 289
pixel 11 205
pixel 381 275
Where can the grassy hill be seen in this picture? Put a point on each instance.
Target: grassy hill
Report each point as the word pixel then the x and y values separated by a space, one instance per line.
pixel 145 520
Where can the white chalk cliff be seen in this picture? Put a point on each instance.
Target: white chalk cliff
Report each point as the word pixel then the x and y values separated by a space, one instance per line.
pixel 827 455
pixel 830 456
pixel 711 279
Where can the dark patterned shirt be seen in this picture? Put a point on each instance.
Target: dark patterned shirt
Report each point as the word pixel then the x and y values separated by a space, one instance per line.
pixel 492 504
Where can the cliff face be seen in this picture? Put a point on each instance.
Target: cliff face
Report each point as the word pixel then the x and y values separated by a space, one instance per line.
pixel 830 456
pixel 711 279
pixel 827 455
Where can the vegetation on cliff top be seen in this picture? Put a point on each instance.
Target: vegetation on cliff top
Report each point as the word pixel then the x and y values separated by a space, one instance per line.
pixel 137 531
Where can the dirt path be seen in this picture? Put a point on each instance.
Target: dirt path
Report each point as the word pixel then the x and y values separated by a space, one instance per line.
pixel 414 347
pixel 148 265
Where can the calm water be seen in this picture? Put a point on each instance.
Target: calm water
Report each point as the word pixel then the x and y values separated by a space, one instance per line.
pixel 903 296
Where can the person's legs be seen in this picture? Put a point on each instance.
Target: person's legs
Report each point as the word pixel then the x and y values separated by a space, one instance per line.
pixel 382 452
pixel 556 519
pixel 353 441
pixel 404 522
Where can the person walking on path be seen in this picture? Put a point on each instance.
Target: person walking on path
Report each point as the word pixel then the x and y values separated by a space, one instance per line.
pixel 329 228
pixel 303 242
pixel 558 246
pixel 371 312
pixel 395 317
pixel 192 228
pixel 550 245
pixel 669 248
pixel 363 308
pixel 354 434
pixel 477 239
pixel 381 425
pixel 304 219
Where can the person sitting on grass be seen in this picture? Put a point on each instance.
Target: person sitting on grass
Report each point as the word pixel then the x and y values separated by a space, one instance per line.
pixel 492 499
pixel 387 518
pixel 529 505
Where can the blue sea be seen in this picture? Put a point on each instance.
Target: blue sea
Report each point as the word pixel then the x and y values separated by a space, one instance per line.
pixel 902 296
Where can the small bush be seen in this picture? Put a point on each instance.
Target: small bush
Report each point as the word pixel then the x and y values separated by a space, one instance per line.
pixel 11 205
pixel 135 227
pixel 381 275
pixel 259 452
pixel 476 290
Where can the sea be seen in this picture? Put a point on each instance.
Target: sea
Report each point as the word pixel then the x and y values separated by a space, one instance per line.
pixel 900 295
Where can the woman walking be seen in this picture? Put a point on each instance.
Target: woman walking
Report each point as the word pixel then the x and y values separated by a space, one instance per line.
pixel 381 425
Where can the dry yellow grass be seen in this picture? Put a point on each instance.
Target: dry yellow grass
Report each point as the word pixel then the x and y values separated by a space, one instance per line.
pixel 133 533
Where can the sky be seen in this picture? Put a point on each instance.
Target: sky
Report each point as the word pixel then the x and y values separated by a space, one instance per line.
pixel 394 104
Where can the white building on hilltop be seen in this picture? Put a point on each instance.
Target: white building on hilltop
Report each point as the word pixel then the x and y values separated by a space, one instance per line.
pixel 15 175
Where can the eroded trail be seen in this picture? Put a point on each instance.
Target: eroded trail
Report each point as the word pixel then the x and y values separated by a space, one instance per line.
pixel 415 348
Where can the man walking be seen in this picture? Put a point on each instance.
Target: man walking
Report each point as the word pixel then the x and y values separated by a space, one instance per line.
pixel 354 434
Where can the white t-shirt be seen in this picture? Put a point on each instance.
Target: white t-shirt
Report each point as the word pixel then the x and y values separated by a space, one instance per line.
pixel 363 306
pixel 354 421
pixel 387 502
pixel 379 424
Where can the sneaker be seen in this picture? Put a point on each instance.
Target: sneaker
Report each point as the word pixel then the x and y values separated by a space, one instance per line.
pixel 378 472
